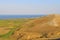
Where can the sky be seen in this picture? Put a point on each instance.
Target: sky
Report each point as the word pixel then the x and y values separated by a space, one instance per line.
pixel 29 7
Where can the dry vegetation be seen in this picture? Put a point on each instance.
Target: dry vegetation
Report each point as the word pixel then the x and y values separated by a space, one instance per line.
pixel 42 28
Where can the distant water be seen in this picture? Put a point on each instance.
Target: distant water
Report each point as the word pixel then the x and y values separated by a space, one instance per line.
pixel 18 16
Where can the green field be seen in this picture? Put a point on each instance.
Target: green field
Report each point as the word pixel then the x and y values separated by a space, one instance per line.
pixel 11 25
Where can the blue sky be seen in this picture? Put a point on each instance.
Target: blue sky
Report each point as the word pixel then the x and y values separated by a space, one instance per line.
pixel 29 7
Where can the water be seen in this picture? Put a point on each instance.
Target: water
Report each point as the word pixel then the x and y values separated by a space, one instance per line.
pixel 18 16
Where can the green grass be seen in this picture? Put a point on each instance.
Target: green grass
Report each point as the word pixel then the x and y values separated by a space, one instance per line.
pixel 13 24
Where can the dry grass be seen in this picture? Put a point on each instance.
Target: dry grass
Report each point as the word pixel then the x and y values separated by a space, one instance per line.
pixel 43 28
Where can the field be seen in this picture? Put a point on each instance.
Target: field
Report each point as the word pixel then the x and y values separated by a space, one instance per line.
pixel 40 28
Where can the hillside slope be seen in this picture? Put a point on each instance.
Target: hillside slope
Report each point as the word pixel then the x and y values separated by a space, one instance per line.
pixel 38 28
pixel 39 24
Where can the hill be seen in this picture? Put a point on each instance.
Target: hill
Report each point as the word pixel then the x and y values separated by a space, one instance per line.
pixel 41 28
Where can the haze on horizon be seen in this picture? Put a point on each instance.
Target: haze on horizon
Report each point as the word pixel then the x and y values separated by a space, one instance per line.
pixel 29 7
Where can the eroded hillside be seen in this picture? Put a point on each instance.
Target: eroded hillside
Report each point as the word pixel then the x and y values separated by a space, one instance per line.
pixel 41 28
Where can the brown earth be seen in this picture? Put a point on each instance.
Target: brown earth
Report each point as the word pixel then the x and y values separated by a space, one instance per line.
pixel 43 28
pixel 4 30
